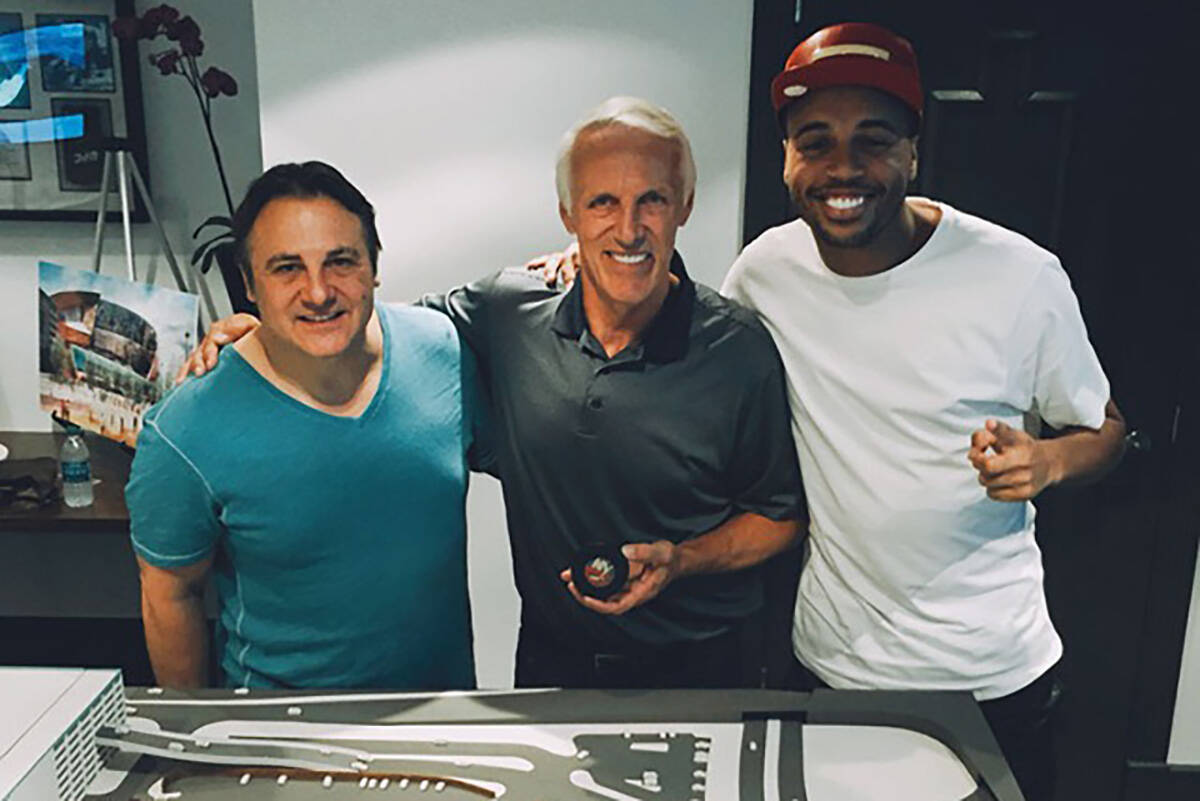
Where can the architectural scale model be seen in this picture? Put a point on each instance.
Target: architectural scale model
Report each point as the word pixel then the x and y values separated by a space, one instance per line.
pixel 550 746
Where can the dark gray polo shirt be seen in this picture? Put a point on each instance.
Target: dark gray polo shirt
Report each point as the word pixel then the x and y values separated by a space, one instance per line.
pixel 666 440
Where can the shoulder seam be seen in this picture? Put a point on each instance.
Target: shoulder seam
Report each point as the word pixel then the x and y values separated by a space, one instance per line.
pixel 212 496
pixel 730 311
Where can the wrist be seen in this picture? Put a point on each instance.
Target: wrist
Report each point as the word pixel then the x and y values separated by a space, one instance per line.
pixel 1054 456
pixel 685 559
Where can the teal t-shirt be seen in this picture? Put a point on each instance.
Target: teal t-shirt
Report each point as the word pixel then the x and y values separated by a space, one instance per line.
pixel 339 542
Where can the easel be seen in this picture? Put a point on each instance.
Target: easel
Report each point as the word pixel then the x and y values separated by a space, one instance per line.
pixel 117 150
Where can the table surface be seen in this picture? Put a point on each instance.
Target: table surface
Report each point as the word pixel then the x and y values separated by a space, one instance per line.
pixel 110 471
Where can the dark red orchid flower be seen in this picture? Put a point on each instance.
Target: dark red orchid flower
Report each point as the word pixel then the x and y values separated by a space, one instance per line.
pixel 161 15
pixel 187 33
pixel 167 61
pixel 147 29
pixel 218 82
pixel 148 25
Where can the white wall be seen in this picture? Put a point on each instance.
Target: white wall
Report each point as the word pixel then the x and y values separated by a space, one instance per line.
pixel 448 113
pixel 1184 747
pixel 183 183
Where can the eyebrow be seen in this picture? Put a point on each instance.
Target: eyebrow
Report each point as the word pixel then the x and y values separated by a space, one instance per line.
pixel 343 250
pixel 282 257
pixel 880 124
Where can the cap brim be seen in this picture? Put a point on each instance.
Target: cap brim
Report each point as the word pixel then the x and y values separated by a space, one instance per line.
pixel 895 79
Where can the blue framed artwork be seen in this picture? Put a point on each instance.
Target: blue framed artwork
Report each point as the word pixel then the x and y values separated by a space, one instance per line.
pixel 75 53
pixel 14 63
pixel 68 88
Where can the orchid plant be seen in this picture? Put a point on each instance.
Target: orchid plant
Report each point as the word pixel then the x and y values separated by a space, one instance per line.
pixel 180 57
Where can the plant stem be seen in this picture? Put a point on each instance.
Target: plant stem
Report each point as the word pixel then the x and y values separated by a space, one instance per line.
pixel 193 78
pixel 212 140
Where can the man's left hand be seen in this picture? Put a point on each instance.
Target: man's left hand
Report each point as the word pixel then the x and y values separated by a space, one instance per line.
pixel 652 566
pixel 558 270
pixel 1019 465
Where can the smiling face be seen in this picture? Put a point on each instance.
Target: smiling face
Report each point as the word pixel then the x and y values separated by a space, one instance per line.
pixel 312 275
pixel 849 155
pixel 626 205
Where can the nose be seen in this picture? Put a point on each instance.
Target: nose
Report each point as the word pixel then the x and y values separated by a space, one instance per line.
pixel 316 288
pixel 844 161
pixel 629 231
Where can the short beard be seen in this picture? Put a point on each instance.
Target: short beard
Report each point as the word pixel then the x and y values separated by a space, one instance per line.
pixel 860 239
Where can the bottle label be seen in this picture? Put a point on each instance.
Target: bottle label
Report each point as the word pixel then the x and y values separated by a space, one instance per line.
pixel 76 472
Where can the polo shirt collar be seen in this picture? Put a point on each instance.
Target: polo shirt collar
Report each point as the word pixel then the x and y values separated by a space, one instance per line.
pixel 666 338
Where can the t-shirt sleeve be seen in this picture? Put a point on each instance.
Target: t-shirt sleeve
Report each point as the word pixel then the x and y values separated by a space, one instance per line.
pixel 173 516
pixel 481 455
pixel 732 286
pixel 1057 362
pixel 764 471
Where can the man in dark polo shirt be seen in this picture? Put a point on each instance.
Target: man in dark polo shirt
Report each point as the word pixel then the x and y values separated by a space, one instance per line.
pixel 638 408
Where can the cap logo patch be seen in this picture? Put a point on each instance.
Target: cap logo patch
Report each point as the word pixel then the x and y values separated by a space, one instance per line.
pixel 795 90
pixel 851 50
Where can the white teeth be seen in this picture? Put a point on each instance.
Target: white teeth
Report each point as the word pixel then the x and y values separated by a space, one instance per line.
pixel 312 318
pixel 631 258
pixel 841 202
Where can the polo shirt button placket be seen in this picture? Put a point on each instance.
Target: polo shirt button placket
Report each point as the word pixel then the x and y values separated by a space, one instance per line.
pixel 591 404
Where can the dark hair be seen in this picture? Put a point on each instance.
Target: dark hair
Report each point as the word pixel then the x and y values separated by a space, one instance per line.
pixel 308 180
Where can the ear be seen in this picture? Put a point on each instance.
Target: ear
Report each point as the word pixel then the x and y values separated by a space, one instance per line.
pixel 248 280
pixel 686 211
pixel 565 216
pixel 912 169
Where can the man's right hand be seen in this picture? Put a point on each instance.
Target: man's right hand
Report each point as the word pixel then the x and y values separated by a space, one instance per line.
pixel 223 332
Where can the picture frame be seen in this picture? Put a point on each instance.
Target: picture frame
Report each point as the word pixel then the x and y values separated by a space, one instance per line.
pixel 75 53
pixel 68 87
pixel 14 62
pixel 80 160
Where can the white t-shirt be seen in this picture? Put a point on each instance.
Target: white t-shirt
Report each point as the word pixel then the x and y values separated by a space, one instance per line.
pixel 915 579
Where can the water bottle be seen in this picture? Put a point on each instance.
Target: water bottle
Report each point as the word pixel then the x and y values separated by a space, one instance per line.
pixel 76 469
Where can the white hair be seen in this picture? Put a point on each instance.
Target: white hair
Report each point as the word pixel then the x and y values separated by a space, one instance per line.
pixel 633 112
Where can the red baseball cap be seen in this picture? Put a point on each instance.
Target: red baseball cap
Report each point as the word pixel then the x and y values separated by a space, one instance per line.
pixel 851 54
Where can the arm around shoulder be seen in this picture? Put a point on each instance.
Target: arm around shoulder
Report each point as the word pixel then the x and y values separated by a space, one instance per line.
pixel 467 307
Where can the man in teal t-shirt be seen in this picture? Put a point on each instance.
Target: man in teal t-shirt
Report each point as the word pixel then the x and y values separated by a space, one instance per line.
pixel 319 473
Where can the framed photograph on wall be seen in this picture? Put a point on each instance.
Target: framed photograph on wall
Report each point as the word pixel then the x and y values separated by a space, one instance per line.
pixel 67 86
pixel 14 63
pixel 80 159
pixel 75 52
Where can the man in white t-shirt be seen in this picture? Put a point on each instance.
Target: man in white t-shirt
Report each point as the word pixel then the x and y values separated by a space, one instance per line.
pixel 917 340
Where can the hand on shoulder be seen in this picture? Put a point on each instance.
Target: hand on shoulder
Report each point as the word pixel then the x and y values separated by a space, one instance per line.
pixel 223 332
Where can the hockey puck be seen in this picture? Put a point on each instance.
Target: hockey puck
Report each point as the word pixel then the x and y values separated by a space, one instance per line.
pixel 600 571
